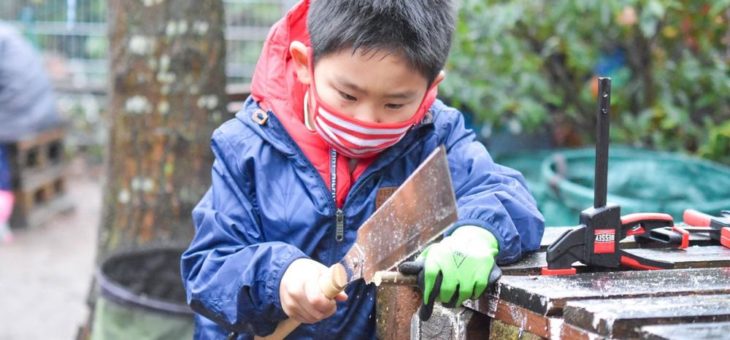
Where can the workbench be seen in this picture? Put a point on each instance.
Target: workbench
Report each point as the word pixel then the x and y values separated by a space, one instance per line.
pixel 691 300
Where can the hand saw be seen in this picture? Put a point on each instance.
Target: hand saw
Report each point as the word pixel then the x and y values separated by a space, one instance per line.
pixel 416 214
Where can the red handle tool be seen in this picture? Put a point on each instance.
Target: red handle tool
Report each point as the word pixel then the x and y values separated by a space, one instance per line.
pixel 718 227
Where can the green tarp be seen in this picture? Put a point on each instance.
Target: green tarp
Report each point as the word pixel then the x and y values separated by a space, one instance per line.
pixel 638 180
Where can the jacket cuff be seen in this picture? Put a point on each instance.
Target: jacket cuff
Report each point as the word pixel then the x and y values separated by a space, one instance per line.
pixel 274 281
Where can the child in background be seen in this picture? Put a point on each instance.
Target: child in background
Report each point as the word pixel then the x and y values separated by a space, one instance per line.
pixel 6 198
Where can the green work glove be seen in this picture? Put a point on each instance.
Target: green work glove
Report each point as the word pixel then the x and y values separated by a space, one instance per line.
pixel 459 267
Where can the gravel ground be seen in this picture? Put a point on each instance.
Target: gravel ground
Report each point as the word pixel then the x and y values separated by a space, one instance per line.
pixel 45 273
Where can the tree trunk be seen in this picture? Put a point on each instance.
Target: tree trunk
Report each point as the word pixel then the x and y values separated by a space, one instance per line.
pixel 167 94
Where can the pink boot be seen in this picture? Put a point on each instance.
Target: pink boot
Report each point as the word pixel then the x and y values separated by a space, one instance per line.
pixel 6 207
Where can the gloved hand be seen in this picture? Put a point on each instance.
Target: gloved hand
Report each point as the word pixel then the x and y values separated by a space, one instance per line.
pixel 459 267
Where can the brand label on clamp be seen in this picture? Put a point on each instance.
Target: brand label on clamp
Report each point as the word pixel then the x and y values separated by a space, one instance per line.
pixel 604 241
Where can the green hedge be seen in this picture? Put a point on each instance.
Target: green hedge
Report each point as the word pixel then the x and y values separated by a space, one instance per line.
pixel 525 63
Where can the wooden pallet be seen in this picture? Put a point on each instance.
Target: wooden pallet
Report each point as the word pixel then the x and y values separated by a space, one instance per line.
pixel 37 151
pixel 38 168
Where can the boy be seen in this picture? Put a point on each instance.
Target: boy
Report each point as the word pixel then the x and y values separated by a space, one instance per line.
pixel 330 125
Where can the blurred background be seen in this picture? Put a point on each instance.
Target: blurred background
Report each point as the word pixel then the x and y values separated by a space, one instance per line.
pixel 140 85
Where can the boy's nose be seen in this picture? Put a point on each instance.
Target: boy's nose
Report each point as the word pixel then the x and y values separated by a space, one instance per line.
pixel 369 114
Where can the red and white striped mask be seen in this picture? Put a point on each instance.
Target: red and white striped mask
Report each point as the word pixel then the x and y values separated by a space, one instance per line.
pixel 359 139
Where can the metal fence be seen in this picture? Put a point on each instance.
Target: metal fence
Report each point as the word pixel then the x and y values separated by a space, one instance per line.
pixel 72 34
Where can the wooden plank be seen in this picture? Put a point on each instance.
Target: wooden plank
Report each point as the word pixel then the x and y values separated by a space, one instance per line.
pixel 622 318
pixel 40 138
pixel 532 263
pixel 547 295
pixel 571 332
pixel 697 331
pixel 692 257
pixel 529 265
pixel 396 305
pixel 31 217
pixel 31 180
pixel 513 319
pixel 45 213
pixel 40 193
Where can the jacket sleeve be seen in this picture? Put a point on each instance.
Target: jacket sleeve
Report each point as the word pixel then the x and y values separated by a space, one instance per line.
pixel 230 275
pixel 489 195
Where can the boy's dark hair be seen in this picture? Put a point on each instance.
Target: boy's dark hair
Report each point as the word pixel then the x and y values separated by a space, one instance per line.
pixel 420 30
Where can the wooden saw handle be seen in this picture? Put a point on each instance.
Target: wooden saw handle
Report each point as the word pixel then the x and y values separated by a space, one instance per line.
pixel 331 283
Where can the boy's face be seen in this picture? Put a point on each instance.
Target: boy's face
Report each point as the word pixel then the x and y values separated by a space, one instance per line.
pixel 376 87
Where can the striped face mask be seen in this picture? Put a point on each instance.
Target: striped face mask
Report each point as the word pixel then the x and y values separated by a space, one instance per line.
pixel 354 138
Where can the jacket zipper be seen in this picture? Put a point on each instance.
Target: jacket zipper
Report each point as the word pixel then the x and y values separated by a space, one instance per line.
pixel 339 214
pixel 340 225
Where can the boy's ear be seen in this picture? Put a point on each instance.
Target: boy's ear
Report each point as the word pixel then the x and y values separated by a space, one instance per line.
pixel 300 54
pixel 439 78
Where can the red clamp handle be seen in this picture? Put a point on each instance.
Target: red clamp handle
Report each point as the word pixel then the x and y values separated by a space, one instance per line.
pixel 695 218
pixel 685 236
pixel 557 272
pixel 636 264
pixel 634 222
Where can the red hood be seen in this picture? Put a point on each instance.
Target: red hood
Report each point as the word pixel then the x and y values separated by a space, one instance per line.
pixel 275 85
pixel 276 88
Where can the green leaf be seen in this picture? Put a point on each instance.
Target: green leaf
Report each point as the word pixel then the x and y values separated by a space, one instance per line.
pixel 718 7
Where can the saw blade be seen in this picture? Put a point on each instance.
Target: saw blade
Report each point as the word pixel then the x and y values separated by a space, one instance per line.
pixel 417 213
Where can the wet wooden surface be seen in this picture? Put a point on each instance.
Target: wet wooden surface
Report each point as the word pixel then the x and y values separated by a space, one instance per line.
pixel 697 331
pixel 622 318
pixel 547 295
pixel 692 257
pixel 605 302
pixel 526 304
pixel 395 306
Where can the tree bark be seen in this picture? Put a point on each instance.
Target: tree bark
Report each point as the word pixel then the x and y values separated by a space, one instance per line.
pixel 167 94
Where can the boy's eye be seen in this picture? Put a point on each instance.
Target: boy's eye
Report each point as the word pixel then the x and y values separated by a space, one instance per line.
pixel 394 106
pixel 346 96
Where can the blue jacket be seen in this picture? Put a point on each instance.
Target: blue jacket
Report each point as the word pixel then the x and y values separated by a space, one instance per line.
pixel 5 184
pixel 268 206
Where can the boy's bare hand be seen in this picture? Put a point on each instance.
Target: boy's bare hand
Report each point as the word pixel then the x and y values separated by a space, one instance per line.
pixel 300 294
